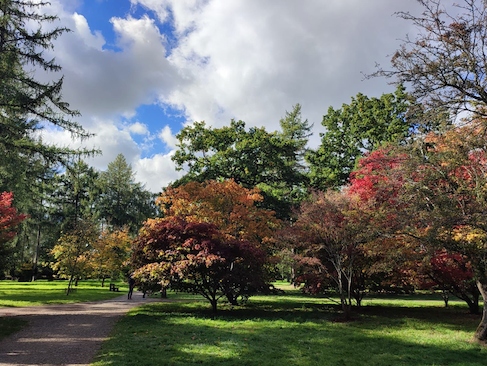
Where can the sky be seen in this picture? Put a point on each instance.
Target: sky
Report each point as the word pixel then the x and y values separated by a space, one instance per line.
pixel 140 70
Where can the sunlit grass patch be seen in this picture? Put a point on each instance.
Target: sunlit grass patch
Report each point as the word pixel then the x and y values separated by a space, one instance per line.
pixel 293 329
pixel 15 294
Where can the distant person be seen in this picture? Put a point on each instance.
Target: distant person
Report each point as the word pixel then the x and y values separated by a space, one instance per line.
pixel 131 286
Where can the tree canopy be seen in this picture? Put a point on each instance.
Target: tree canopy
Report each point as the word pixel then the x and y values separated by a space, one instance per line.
pixel 355 129
pixel 444 65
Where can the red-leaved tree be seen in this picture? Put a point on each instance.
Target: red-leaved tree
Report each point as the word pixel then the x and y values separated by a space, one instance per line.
pixel 9 217
pixel 196 257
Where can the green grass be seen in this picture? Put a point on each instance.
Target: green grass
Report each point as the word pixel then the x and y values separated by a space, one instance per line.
pixel 15 294
pixel 294 329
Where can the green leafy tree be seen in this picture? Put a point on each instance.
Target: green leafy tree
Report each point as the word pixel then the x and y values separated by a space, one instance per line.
pixel 75 193
pixel 271 161
pixel 27 104
pixel 123 202
pixel 353 130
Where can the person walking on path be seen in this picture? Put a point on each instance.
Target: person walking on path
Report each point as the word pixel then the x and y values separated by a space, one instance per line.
pixel 131 287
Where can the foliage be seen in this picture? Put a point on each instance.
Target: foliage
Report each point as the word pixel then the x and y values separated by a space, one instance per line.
pixel 226 204
pixel 71 253
pixel 122 201
pixel 28 103
pixel 445 64
pixel 9 220
pixel 110 254
pixel 252 158
pixel 330 229
pixel 195 257
pixel 353 130
pixel 441 199
pixel 451 273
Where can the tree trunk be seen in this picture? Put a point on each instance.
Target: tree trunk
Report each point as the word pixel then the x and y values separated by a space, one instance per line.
pixel 214 305
pixel 481 333
pixel 36 253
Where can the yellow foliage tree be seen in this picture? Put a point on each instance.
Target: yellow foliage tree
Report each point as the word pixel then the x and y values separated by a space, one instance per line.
pixel 110 253
pixel 72 252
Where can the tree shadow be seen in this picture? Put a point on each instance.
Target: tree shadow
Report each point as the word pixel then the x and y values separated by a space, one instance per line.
pixel 278 332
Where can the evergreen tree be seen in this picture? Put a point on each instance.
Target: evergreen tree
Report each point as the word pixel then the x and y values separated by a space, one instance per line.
pixel 26 104
pixel 122 201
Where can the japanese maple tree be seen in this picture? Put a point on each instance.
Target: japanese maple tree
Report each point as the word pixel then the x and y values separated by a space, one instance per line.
pixel 330 229
pixel 9 218
pixel 196 257
pixel 228 205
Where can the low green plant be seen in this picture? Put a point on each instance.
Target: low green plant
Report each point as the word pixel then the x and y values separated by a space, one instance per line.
pixel 295 329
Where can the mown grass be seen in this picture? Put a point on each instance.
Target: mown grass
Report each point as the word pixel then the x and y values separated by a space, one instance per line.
pixel 293 329
pixel 17 294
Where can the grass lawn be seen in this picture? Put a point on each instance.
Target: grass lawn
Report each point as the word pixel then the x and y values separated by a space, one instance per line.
pixel 37 293
pixel 15 294
pixel 294 329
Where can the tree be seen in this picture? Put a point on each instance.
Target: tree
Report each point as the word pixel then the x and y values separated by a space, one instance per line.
pixel 452 274
pixel 72 252
pixel 28 103
pixel 195 257
pixel 75 193
pixel 331 228
pixel 9 220
pixel 443 198
pixel 228 205
pixel 122 201
pixel 111 253
pixel 355 129
pixel 445 64
pixel 253 158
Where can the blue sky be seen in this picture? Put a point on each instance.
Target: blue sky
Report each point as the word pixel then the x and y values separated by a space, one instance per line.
pixel 139 70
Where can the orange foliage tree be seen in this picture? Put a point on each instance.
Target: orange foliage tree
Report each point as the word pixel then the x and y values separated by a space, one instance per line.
pixel 232 208
pixel 235 225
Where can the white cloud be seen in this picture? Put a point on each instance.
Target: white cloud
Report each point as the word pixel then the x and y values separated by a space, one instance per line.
pixel 138 128
pixel 168 138
pixel 157 171
pixel 242 59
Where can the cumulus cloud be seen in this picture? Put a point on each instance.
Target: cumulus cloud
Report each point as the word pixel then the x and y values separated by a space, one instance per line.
pixel 244 59
pixel 157 172
pixel 168 138
pixel 138 128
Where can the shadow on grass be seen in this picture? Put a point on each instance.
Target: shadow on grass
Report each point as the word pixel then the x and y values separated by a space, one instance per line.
pixel 291 333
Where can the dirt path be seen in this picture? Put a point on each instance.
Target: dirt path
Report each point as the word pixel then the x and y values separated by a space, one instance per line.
pixel 63 334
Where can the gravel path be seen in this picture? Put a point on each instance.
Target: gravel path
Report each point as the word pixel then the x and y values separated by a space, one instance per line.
pixel 63 334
